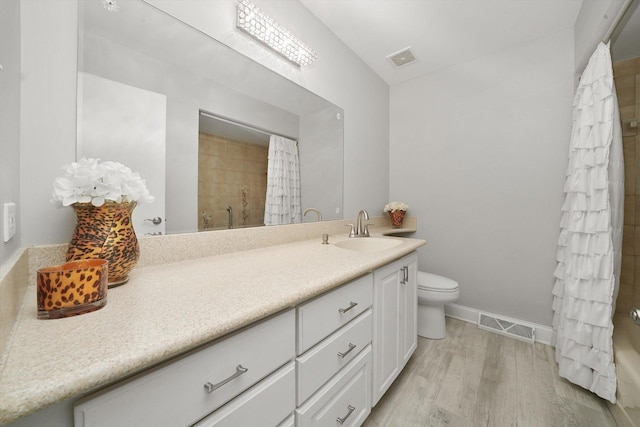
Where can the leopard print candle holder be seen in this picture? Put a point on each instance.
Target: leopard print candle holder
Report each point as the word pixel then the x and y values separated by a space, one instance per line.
pixel 72 288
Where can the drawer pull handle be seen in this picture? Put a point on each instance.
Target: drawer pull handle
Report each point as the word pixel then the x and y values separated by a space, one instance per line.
pixel 405 275
pixel 351 305
pixel 343 419
pixel 213 387
pixel 351 347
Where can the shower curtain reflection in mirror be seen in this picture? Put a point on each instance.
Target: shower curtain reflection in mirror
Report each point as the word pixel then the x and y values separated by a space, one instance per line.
pixel 283 204
pixel 232 177
pixel 247 177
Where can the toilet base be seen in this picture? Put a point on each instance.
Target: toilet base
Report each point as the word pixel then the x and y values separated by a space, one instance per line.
pixel 431 323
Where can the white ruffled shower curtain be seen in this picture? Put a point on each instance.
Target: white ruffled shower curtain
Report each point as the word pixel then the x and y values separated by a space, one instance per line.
pixel 283 203
pixel 589 247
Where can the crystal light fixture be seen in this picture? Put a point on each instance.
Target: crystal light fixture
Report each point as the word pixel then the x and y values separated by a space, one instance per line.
pixel 264 29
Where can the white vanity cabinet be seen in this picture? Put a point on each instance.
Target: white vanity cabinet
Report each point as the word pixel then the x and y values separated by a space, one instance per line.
pixel 334 356
pixel 395 327
pixel 325 362
pixel 183 391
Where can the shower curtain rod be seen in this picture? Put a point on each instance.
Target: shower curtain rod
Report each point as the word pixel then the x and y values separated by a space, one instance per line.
pixel 246 126
pixel 616 28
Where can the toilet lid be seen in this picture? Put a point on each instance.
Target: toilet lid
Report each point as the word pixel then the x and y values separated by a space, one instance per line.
pixel 433 282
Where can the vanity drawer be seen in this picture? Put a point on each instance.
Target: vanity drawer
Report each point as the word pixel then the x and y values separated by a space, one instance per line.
pixel 324 360
pixel 267 403
pixel 319 318
pixel 176 394
pixel 347 396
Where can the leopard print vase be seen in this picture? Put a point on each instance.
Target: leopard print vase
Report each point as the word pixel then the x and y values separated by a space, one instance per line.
pixel 106 232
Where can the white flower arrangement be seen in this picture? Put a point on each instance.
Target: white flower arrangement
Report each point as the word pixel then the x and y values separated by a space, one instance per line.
pixel 396 206
pixel 95 182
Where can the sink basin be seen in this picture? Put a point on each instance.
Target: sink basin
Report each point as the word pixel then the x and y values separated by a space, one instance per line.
pixel 368 244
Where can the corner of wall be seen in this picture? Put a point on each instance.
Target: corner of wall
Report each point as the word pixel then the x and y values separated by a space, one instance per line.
pixel 10 117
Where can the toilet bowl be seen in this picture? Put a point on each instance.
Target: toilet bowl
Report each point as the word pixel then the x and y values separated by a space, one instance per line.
pixel 433 293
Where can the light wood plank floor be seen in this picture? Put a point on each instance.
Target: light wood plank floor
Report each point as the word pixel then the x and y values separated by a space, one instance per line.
pixel 478 378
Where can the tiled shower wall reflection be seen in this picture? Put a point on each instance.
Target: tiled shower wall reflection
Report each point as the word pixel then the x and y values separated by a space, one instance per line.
pixel 627 79
pixel 230 173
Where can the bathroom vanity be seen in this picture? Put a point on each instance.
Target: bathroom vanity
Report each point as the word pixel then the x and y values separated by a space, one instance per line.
pixel 293 334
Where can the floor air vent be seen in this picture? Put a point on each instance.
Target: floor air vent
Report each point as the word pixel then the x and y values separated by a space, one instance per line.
pixel 510 328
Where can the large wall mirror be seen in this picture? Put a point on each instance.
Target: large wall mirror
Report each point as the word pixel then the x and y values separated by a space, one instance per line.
pixel 153 93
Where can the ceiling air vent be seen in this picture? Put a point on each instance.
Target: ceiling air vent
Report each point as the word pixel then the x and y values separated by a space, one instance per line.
pixel 402 58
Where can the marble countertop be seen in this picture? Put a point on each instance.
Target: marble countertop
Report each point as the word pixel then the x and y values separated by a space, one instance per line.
pixel 166 310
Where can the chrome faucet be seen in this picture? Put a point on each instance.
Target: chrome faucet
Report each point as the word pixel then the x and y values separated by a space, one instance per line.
pixel 362 230
pixel 306 211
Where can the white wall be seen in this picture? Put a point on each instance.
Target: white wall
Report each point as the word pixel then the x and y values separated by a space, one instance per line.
pixel 9 115
pixel 338 76
pixel 479 152
pixel 321 176
pixel 187 93
pixel 49 37
pixel 47 115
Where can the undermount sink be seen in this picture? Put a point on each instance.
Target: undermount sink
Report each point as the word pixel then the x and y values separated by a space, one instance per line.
pixel 368 244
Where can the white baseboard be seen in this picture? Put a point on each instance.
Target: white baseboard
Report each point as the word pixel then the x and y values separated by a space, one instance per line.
pixel 468 314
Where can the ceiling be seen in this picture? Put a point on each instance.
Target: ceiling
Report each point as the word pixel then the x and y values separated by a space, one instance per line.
pixel 225 129
pixel 441 33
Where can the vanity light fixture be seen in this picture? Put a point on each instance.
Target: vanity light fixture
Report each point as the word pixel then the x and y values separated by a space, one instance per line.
pixel 267 31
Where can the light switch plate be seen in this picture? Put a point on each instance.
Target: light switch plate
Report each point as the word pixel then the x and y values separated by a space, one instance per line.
pixel 9 222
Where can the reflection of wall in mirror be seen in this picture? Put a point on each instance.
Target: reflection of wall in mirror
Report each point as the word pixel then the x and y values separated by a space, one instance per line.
pixel 321 165
pixel 187 93
pixel 122 123
pixel 230 173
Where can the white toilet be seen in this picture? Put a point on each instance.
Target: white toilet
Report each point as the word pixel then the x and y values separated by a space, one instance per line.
pixel 433 293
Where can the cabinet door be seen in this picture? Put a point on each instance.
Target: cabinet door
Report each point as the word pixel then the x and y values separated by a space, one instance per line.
pixel 386 339
pixel 395 327
pixel 409 311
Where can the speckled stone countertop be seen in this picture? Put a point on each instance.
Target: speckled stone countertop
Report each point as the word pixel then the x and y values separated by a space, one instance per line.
pixel 166 310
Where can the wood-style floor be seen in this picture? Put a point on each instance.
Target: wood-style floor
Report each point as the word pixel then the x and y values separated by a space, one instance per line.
pixel 478 378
